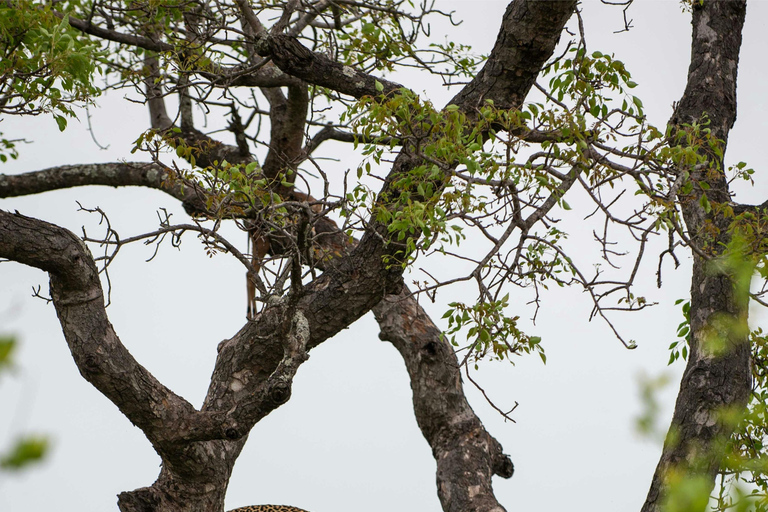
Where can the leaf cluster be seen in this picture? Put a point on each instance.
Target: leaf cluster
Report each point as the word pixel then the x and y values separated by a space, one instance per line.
pixel 28 449
pixel 46 66
pixel 490 331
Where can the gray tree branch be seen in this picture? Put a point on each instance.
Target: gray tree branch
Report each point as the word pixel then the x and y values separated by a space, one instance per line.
pixel 467 455
pixel 77 296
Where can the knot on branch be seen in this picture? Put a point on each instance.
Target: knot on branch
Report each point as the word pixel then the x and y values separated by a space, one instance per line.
pixel 280 393
pixel 141 500
pixel 90 363
pixel 503 466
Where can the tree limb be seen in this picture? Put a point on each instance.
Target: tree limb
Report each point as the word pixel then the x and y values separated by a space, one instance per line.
pixel 467 455
pixel 315 68
pixel 118 37
pixel 77 296
pixel 113 174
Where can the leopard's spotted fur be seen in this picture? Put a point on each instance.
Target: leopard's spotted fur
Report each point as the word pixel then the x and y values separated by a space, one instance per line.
pixel 268 508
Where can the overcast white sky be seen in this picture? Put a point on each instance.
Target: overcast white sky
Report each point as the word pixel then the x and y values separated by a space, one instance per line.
pixel 347 441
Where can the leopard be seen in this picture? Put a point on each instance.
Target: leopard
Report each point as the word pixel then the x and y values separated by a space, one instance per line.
pixel 268 508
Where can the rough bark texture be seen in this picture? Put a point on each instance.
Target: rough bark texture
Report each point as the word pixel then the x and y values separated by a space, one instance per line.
pixel 528 35
pixel 287 118
pixel 296 60
pixel 198 448
pixel 467 455
pixel 715 380
pixel 111 174
pixel 255 368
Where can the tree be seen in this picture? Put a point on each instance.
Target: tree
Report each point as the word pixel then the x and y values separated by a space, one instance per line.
pixel 489 161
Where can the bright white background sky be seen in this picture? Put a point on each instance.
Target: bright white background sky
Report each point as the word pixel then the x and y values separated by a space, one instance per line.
pixel 347 441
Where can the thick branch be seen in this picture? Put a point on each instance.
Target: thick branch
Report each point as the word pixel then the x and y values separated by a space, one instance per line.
pixel 158 115
pixel 261 352
pixel 287 117
pixel 467 455
pixel 261 75
pixel 255 391
pixel 76 292
pixel 755 209
pixel 250 17
pixel 113 174
pixel 529 33
pixel 528 36
pixel 315 68
pixel 118 37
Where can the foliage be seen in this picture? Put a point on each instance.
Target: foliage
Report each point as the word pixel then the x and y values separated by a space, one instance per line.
pixel 683 332
pixel 8 149
pixel 25 451
pixel 7 346
pixel 489 182
pixel 28 449
pixel 492 331
pixel 46 66
pixel 743 483
pixel 746 464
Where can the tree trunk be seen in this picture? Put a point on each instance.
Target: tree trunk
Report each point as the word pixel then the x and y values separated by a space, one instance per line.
pixel 717 378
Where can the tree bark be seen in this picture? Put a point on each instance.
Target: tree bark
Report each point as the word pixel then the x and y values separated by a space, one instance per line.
pixel 467 455
pixel 717 378
pixel 255 368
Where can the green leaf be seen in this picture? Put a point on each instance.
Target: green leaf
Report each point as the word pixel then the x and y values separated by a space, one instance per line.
pixel 7 346
pixel 704 202
pixel 61 121
pixel 26 451
pixel 379 86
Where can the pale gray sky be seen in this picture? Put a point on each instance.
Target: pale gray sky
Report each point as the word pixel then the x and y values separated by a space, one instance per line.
pixel 347 441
